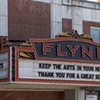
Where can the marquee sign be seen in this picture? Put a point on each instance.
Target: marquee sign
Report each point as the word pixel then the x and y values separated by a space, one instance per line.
pixel 4 60
pixel 58 70
pixel 48 61
pixel 3 65
pixel 66 49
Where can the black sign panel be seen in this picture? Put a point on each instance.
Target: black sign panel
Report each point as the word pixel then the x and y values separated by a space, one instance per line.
pixel 68 50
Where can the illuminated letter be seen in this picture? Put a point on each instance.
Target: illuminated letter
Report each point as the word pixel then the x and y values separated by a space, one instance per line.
pixel 98 52
pixel 46 47
pixel 73 50
pixel 87 52
pixel 59 53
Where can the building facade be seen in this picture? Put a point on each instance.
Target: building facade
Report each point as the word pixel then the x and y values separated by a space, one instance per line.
pixel 21 20
pixel 41 19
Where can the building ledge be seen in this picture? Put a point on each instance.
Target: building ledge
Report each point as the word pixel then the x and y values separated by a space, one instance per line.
pixel 82 3
pixel 16 86
pixel 20 86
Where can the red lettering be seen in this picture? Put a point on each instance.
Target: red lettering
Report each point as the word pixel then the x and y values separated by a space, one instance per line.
pixel 47 47
pixel 59 53
pixel 73 50
pixel 87 52
pixel 98 52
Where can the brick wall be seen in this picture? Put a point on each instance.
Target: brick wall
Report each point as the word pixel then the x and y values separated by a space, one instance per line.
pixel 88 24
pixel 28 19
pixel 31 95
pixel 66 25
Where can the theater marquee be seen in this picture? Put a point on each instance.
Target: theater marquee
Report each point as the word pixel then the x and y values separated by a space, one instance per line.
pixel 58 70
pixel 60 60
pixel 3 65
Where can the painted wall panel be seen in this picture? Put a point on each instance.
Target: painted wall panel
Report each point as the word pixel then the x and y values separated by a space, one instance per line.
pixel 77 15
pixel 56 13
pixel 67 2
pixel 56 1
pixel 66 11
pixel 98 16
pixel 46 1
pixel 56 28
pixel 77 19
pixel 87 14
pixel 3 26
pixel 3 7
pixel 93 15
pixel 4 17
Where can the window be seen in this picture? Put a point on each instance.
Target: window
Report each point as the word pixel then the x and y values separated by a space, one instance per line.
pixel 95 34
pixel 92 0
